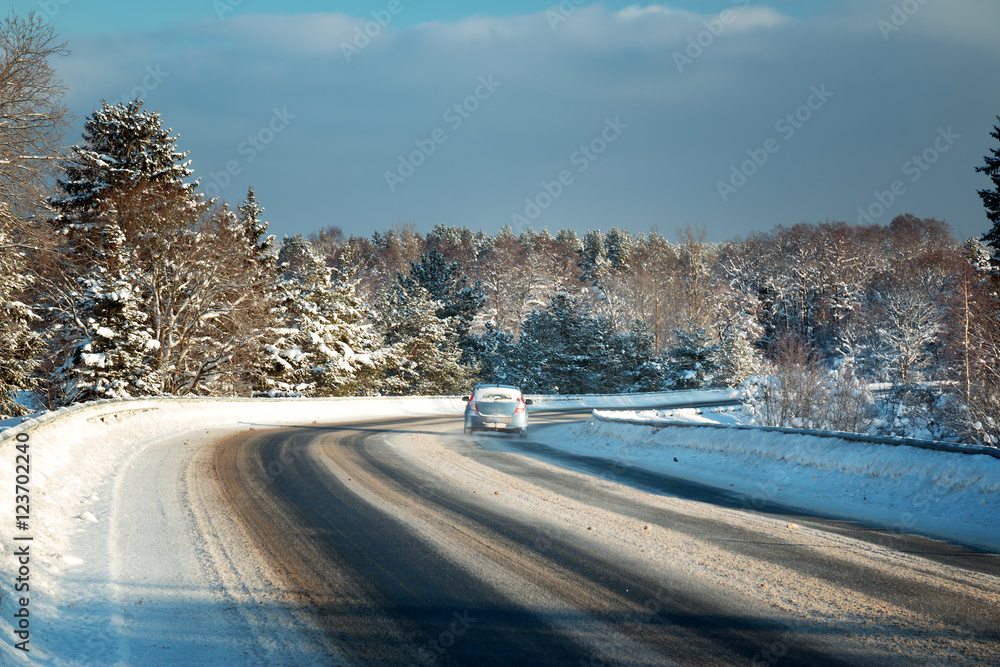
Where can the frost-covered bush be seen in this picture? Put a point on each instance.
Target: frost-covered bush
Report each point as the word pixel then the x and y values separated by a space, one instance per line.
pixel 925 411
pixel 798 391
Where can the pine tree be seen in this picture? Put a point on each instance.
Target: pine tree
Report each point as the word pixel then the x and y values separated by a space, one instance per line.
pixel 555 351
pixel 619 248
pixel 19 343
pixel 692 359
pixel 978 254
pixel 124 148
pixel 628 363
pixel 322 345
pixel 113 359
pixel 424 355
pixel 991 198
pixel 735 358
pixel 459 302
pixel 593 256
pixel 259 242
pixel 493 351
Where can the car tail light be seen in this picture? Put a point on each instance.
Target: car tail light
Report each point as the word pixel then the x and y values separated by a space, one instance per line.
pixel 472 405
pixel 520 405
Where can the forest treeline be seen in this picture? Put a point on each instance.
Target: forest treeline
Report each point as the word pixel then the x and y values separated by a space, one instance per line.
pixel 123 280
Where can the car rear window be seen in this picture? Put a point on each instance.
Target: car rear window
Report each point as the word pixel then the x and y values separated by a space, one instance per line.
pixel 497 394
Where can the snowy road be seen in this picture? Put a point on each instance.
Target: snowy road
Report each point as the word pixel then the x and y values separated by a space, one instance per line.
pixel 405 542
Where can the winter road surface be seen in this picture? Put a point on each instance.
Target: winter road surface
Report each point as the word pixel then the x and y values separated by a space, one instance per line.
pixel 402 542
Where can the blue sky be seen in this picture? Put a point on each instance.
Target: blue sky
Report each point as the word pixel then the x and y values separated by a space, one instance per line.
pixel 590 116
pixel 79 17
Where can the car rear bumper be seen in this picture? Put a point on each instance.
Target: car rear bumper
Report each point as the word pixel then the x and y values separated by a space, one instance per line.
pixel 480 422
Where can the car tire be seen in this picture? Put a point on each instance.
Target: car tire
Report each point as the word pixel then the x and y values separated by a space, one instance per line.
pixel 468 431
pixel 524 433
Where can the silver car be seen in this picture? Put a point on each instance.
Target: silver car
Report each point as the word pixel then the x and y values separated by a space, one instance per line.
pixel 496 407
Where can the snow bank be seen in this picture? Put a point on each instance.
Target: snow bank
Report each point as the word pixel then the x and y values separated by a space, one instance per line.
pixel 74 448
pixel 649 400
pixel 942 494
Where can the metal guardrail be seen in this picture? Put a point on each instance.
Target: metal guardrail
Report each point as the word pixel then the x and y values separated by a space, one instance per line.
pixel 851 437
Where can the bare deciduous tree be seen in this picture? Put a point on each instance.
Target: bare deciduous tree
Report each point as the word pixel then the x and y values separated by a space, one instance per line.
pixel 32 116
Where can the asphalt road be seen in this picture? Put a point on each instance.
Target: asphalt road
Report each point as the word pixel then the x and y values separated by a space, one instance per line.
pixel 396 536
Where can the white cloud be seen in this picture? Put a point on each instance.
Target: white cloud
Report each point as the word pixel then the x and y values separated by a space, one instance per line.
pixel 635 12
pixel 299 34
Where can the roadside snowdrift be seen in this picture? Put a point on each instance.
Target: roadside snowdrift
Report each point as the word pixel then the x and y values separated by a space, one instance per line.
pixel 948 495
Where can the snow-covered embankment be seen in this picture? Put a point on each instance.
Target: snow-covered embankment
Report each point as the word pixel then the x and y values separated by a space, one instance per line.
pixel 948 495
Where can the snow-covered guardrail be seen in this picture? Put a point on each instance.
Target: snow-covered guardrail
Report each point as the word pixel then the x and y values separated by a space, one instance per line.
pixel 642 400
pixel 171 413
pixel 166 412
pixel 609 416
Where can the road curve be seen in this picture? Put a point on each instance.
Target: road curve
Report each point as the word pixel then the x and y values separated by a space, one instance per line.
pixel 410 543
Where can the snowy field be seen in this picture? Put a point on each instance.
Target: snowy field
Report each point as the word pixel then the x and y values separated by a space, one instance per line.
pixel 94 487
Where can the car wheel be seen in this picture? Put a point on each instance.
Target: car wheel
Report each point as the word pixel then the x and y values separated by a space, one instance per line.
pixel 468 431
pixel 524 433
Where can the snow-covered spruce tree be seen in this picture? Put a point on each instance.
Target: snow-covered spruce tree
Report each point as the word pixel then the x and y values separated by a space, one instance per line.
pixel 736 359
pixel 978 254
pixel 593 259
pixel 632 364
pixel 113 359
pixel 459 301
pixel 991 197
pixel 323 346
pixel 125 147
pixel 493 351
pixel 558 349
pixel 692 360
pixel 565 349
pixel 103 323
pixel 260 244
pixel 19 343
pixel 424 357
